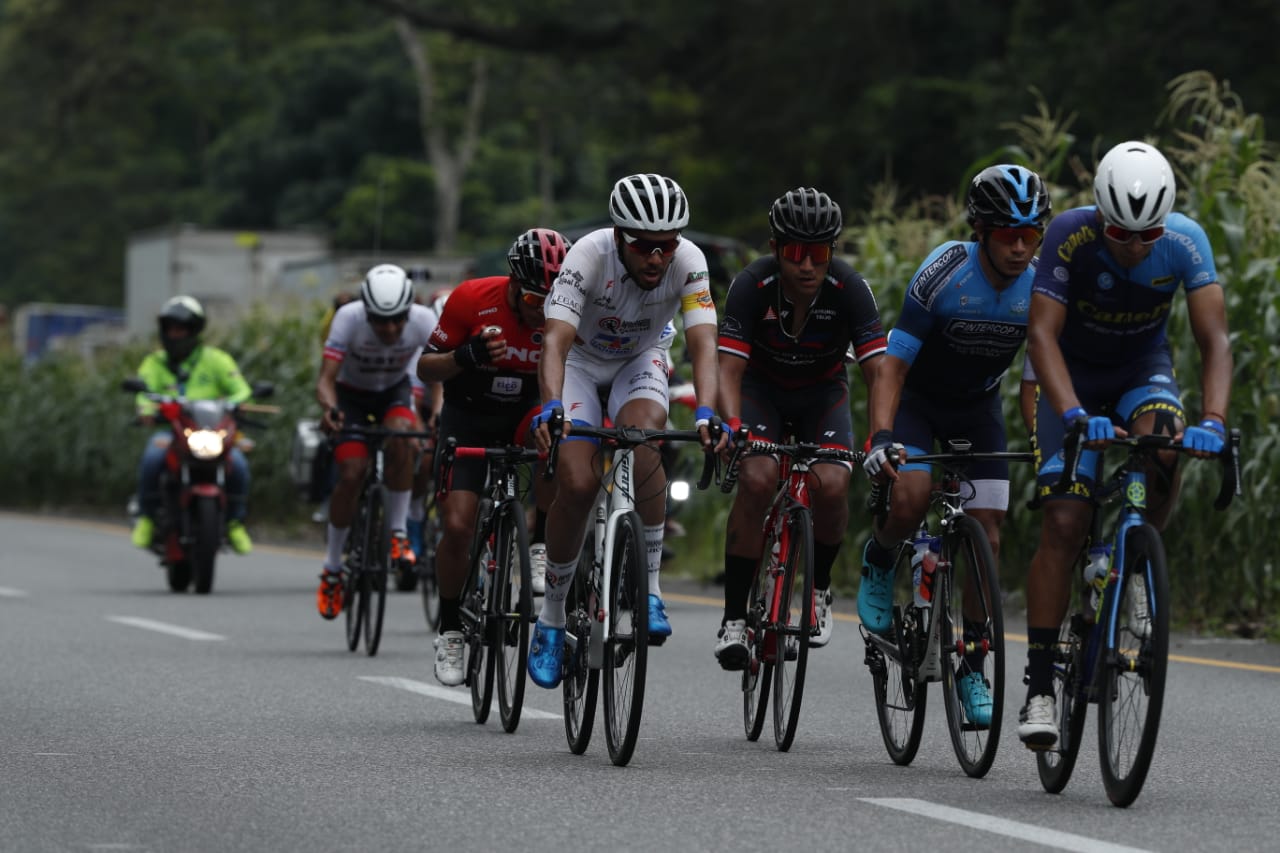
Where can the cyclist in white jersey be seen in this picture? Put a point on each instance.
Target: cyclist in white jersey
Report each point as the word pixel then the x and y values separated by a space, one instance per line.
pixel 369 357
pixel 617 291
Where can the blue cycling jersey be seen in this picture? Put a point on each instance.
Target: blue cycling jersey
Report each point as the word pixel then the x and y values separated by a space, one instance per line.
pixel 1115 315
pixel 958 333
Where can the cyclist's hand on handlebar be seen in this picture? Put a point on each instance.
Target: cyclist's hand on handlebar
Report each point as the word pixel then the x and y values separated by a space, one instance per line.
pixel 331 422
pixel 708 425
pixel 1094 430
pixel 540 427
pixel 1206 440
pixel 884 457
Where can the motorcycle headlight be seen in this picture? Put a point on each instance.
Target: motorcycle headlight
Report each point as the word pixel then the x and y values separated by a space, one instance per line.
pixel 205 443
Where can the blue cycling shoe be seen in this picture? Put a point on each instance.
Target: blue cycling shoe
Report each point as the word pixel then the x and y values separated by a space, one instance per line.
pixel 659 627
pixel 875 595
pixel 546 651
pixel 414 529
pixel 975 696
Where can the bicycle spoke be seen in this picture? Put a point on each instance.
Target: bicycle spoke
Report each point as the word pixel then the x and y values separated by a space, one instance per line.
pixel 626 648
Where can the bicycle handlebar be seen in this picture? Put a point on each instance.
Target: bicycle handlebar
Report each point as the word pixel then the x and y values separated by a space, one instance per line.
pixel 953 460
pixel 628 436
pixel 802 451
pixel 510 454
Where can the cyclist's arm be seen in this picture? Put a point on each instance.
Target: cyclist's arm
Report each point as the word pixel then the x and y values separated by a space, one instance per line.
pixel 437 367
pixel 327 389
pixel 700 341
pixel 886 391
pixel 1206 309
pixel 1044 325
pixel 557 338
pixel 729 398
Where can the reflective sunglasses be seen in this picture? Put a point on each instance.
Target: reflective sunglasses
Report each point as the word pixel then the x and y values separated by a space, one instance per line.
pixel 1028 234
pixel 533 298
pixel 819 253
pixel 394 319
pixel 1146 236
pixel 641 246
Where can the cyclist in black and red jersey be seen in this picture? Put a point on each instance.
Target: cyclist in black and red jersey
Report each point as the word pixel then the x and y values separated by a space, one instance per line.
pixel 485 350
pixel 789 321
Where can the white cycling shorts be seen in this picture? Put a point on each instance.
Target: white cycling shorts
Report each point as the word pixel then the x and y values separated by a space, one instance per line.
pixel 589 381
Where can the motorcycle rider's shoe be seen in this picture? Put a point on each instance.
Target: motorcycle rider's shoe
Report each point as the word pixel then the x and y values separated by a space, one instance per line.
pixel 401 551
pixel 415 536
pixel 329 595
pixel 144 529
pixel 238 537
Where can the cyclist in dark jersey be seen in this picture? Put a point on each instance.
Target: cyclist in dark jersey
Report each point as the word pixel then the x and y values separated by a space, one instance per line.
pixel 485 350
pixel 963 320
pixel 789 321
pixel 1097 339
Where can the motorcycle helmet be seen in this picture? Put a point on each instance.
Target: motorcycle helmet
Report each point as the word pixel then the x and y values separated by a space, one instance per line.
pixel 184 312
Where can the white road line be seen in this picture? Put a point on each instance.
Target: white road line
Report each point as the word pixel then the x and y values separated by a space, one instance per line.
pixel 1000 826
pixel 10 592
pixel 446 693
pixel 164 628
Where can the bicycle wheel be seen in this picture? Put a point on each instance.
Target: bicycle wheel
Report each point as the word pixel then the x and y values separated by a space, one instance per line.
pixel 1071 698
pixel 1132 669
pixel 794 625
pixel 374 585
pixel 513 606
pixel 430 586
pixel 581 682
pixel 901 701
pixel 626 648
pixel 354 600
pixel 476 619
pixel 972 642
pixel 758 674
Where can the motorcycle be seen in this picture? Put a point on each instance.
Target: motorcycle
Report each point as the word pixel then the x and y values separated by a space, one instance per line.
pixel 191 520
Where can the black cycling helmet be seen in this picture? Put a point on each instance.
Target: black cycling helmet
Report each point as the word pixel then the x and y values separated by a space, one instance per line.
pixel 805 215
pixel 1008 197
pixel 535 258
pixel 183 311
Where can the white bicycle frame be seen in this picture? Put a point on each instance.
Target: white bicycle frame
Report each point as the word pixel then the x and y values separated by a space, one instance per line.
pixel 614 500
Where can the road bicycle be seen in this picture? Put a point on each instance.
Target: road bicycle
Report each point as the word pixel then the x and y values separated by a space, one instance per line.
pixel 496 607
pixel 1115 653
pixel 954 633
pixel 607 609
pixel 367 562
pixel 428 583
pixel 780 609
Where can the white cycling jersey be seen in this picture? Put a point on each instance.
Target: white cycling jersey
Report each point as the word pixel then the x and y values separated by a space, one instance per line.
pixel 367 364
pixel 616 319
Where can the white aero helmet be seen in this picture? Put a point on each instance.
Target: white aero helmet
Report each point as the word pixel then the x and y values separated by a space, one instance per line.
pixel 1134 186
pixel 648 203
pixel 387 291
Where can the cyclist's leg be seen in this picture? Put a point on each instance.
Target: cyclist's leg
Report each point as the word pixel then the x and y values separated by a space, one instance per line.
pixel 1152 405
pixel 399 414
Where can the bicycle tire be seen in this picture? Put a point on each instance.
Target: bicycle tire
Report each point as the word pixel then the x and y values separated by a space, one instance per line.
pixel 757 676
pixel 1071 699
pixel 376 555
pixel 795 626
pixel 581 683
pixel 475 627
pixel 1131 674
pixel 626 649
pixel 968 550
pixel 513 606
pixel 901 701
pixel 353 600
pixel 429 584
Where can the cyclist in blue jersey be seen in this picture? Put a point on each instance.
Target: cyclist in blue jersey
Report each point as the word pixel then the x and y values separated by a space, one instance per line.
pixel 963 320
pixel 1097 339
pixel 789 320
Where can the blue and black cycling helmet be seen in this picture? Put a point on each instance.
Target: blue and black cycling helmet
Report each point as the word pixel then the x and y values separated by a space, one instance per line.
pixel 1008 197
pixel 805 215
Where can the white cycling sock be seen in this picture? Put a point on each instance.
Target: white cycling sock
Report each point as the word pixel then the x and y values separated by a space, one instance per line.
pixel 417 509
pixel 559 579
pixel 336 541
pixel 653 553
pixel 397 509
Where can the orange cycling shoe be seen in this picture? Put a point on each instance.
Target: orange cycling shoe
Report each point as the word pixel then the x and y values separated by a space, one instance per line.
pixel 401 550
pixel 329 595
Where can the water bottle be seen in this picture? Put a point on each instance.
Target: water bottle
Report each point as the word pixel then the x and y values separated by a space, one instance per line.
pixel 1095 574
pixel 923 564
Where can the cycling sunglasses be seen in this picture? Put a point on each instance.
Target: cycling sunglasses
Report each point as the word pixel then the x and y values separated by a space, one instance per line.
pixel 1028 234
pixel 533 298
pixel 642 246
pixel 394 319
pixel 1146 236
pixel 819 253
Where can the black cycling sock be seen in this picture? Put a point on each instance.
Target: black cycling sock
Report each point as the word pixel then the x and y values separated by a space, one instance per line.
pixel 824 557
pixel 450 614
pixel 1041 643
pixel 879 555
pixel 973 633
pixel 737 585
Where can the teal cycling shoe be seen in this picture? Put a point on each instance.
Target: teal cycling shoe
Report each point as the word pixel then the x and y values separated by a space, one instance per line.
pixel 546 651
pixel 975 696
pixel 659 626
pixel 875 596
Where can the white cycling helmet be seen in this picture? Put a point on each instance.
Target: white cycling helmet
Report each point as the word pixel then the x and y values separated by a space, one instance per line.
pixel 387 291
pixel 648 203
pixel 1134 186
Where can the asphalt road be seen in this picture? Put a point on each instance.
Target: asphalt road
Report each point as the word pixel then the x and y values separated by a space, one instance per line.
pixel 135 719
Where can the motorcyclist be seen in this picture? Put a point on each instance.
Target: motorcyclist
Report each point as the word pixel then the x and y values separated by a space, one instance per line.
pixel 186 367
